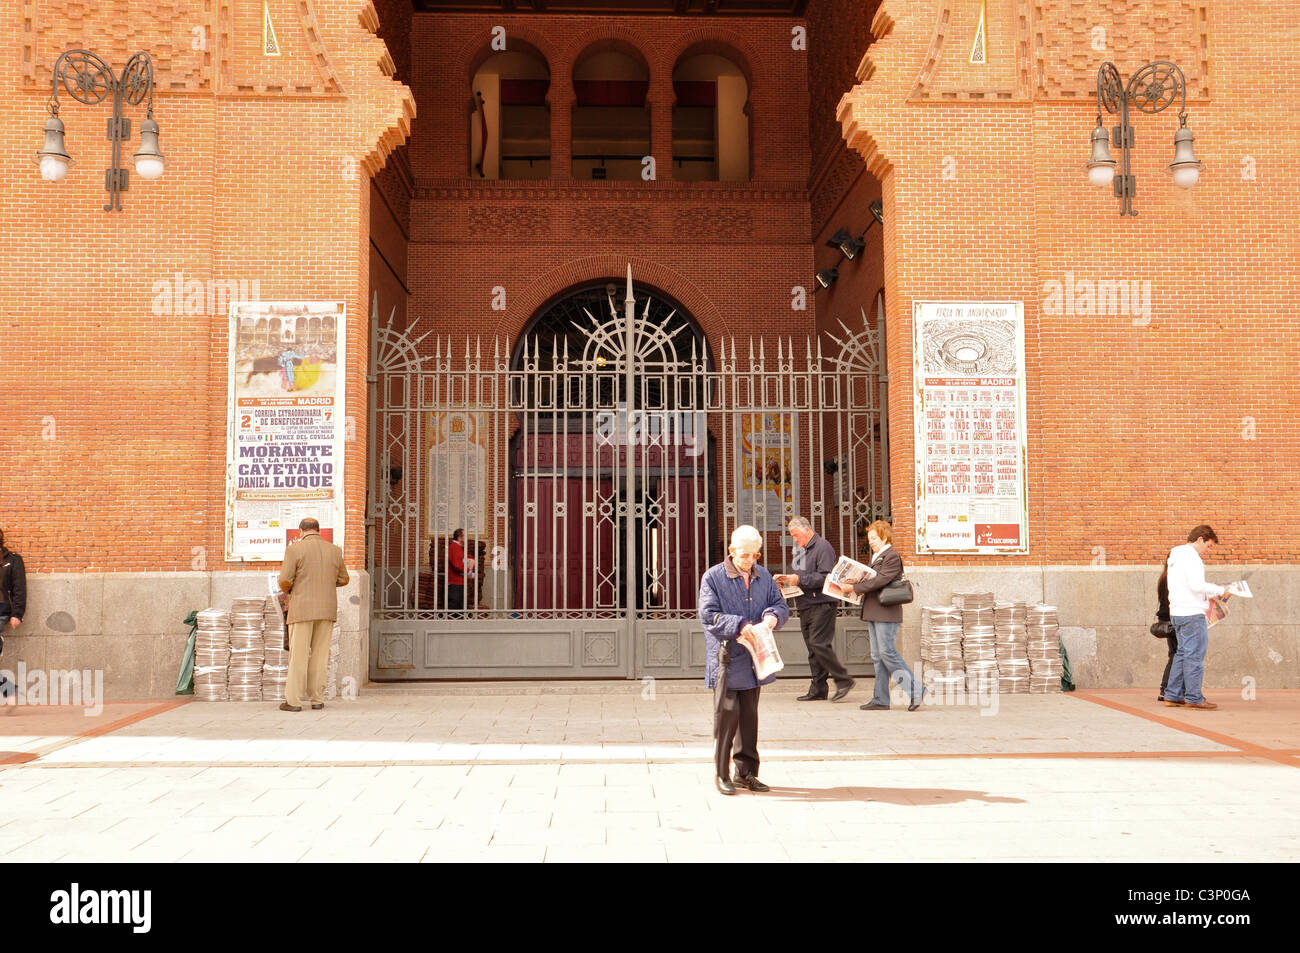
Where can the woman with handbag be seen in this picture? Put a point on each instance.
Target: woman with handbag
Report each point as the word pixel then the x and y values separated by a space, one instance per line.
pixel 883 620
pixel 1163 628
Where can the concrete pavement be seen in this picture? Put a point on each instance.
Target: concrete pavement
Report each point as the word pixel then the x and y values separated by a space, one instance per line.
pixel 621 771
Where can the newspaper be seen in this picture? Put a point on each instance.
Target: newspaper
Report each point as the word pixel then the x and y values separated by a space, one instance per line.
pixel 760 641
pixel 790 592
pixel 847 572
pixel 1218 609
pixel 1216 613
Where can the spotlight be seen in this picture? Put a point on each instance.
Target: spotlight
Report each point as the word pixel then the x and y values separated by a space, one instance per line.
pixel 851 247
pixel 827 277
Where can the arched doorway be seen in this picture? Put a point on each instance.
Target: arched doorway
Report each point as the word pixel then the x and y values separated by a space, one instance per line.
pixel 611 464
pixel 596 466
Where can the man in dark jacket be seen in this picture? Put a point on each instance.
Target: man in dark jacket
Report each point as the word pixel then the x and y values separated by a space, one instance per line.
pixel 813 560
pixel 13 600
pixel 735 594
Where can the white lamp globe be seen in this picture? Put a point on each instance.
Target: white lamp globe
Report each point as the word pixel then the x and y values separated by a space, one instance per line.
pixel 1101 175
pixel 149 167
pixel 1186 176
pixel 53 168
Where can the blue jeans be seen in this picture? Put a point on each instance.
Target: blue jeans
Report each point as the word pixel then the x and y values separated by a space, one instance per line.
pixel 1188 670
pixel 889 663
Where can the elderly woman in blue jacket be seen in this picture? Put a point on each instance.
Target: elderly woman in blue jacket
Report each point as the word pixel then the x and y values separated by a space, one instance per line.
pixel 735 594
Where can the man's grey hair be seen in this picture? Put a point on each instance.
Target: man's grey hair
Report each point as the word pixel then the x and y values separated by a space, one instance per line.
pixel 309 525
pixel 746 534
pixel 800 523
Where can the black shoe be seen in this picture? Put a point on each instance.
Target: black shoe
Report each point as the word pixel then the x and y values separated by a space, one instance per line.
pixel 874 706
pixel 916 703
pixel 751 781
pixel 725 786
pixel 318 707
pixel 285 706
pixel 843 690
pixel 810 697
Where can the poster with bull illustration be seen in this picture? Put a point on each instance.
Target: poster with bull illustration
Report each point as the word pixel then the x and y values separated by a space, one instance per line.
pixel 284 458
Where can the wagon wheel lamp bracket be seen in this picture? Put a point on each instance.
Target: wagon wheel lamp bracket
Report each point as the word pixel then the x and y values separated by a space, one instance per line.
pixel 1152 89
pixel 88 79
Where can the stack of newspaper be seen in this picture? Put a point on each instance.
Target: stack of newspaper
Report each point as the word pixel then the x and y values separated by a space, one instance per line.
pixel 1044 649
pixel 211 655
pixel 1011 640
pixel 244 680
pixel 978 646
pixel 942 668
pixel 275 660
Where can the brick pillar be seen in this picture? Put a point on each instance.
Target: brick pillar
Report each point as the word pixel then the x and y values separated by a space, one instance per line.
pixel 560 99
pixel 659 100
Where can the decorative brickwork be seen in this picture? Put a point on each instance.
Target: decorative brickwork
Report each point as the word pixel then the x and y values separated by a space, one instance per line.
pixel 1073 37
pixel 508 221
pixel 178 34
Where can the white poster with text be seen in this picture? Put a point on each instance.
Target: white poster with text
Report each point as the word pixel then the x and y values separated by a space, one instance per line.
pixel 971 448
pixel 284 458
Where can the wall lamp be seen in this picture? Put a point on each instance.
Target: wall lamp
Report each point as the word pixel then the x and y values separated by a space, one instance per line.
pixel 88 79
pixel 1152 89
pixel 827 277
pixel 851 247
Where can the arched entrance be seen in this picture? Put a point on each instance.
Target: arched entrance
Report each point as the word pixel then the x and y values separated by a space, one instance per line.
pixel 596 466
pixel 612 468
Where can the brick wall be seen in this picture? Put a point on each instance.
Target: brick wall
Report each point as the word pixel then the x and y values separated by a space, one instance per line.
pixel 1137 431
pixel 115 397
pixel 116 416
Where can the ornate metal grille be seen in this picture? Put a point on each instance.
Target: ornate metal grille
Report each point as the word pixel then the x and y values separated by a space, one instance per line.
pixel 598 469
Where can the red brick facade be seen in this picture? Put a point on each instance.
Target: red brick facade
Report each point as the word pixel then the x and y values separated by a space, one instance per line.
pixel 1138 431
pixel 115 415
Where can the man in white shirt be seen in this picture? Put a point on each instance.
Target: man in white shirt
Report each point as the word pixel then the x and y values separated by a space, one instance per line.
pixel 1189 598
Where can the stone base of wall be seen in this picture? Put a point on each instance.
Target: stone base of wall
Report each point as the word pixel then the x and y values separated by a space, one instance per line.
pixel 1105 614
pixel 131 625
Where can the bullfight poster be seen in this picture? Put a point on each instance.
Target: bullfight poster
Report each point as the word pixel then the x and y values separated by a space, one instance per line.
pixel 284 457
pixel 767 477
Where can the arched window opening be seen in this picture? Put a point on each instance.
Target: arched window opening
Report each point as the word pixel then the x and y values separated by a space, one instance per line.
pixel 510 131
pixel 611 124
pixel 710 125
pixel 579 332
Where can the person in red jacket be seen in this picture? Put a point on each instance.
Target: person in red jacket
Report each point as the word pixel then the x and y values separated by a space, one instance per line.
pixel 458 567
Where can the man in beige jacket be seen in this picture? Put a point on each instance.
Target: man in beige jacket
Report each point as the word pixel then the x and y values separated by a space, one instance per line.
pixel 312 570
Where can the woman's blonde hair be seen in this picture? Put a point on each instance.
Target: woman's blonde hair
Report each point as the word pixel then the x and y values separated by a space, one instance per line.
pixel 883 530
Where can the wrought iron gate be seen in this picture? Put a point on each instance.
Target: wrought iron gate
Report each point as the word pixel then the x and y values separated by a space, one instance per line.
pixel 597 470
